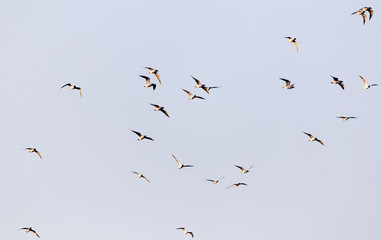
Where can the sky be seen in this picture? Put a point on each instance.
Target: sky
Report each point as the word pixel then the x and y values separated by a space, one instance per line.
pixel 84 188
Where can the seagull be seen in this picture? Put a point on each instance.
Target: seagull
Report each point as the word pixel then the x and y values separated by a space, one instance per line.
pixel 337 81
pixel 141 137
pixel 180 166
pixel 185 231
pixel 148 84
pixel 287 84
pixel 207 89
pixel 236 185
pixel 155 72
pixel 362 13
pixel 202 86
pixel 29 230
pixel 293 40
pixel 313 138
pixel 159 108
pixel 243 170
pixel 345 118
pixel 367 86
pixel 369 9
pixel 33 150
pixel 192 96
pixel 140 175
pixel 215 181
pixel 72 87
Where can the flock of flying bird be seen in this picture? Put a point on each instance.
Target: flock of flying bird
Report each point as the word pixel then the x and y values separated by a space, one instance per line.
pixel 288 86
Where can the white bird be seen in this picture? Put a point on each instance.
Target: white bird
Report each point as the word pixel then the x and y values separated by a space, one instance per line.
pixel 367 86
pixel 215 181
pixel 140 175
pixel 180 165
pixel 159 108
pixel 287 84
pixel 155 72
pixel 72 87
pixel 186 232
pixel 313 138
pixel 243 170
pixel 148 83
pixel 192 96
pixel 141 137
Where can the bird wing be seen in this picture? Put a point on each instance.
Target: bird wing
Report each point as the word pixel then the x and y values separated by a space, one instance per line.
pixel 154 105
pixel 200 97
pixel 177 162
pixel 334 78
pixel 145 77
pixel 242 169
pixel 138 133
pixel 24 228
pixel 135 172
pixel 188 165
pixel 318 140
pixel 68 84
pixel 221 178
pixel 242 184
pixel 157 75
pixel 371 13
pixel 149 138
pixel 207 89
pixel 295 43
pixel 80 92
pixel 149 68
pixel 165 112
pixel 229 186
pixel 38 153
pixel 154 86
pixel 342 85
pixel 191 234
pixel 250 167
pixel 196 80
pixel 340 117
pixel 145 178
pixel 374 84
pixel 210 180
pixel 180 227
pixel 189 93
pixel 364 18
pixel 35 233
pixel 287 82
pixel 364 80
pixel 310 135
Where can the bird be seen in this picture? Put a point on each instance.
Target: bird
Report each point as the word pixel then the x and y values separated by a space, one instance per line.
pixel 140 175
pixel 180 166
pixel 345 118
pixel 362 13
pixel 236 185
pixel 337 81
pixel 186 232
pixel 29 230
pixel 141 137
pixel 72 87
pixel 287 84
pixel 33 150
pixel 293 40
pixel 313 138
pixel 215 181
pixel 155 72
pixel 192 96
pixel 369 9
pixel 202 86
pixel 148 84
pixel 243 170
pixel 159 108
pixel 367 86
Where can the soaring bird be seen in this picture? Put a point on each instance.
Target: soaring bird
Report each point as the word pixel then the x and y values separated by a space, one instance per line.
pixel 362 13
pixel 287 84
pixel 369 9
pixel 337 81
pixel 34 150
pixel 367 86
pixel 180 165
pixel 293 40
pixel 159 108
pixel 155 72
pixel 237 184
pixel 202 86
pixel 29 230
pixel 141 137
pixel 215 181
pixel 140 175
pixel 345 118
pixel 148 84
pixel 72 87
pixel 192 96
pixel 186 232
pixel 313 138
pixel 243 170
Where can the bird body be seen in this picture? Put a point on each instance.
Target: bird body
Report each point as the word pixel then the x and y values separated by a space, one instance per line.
pixel 140 175
pixel 31 150
pixel 159 108
pixel 339 82
pixel 313 138
pixel 29 230
pixel 141 136
pixel 288 85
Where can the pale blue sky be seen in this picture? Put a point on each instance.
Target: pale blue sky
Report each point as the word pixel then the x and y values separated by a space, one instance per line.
pixel 83 187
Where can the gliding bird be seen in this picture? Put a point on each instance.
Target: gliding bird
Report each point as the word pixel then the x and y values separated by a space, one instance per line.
pixel 72 87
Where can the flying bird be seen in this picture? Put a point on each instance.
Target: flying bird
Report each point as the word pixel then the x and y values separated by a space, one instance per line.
pixel 180 166
pixel 155 72
pixel 29 230
pixel 313 138
pixel 186 232
pixel 31 150
pixel 243 170
pixel 140 175
pixel 148 84
pixel 192 96
pixel 367 86
pixel 345 118
pixel 215 181
pixel 202 86
pixel 236 185
pixel 293 40
pixel 369 9
pixel 287 84
pixel 141 137
pixel 362 13
pixel 337 81
pixel 72 87
pixel 159 108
